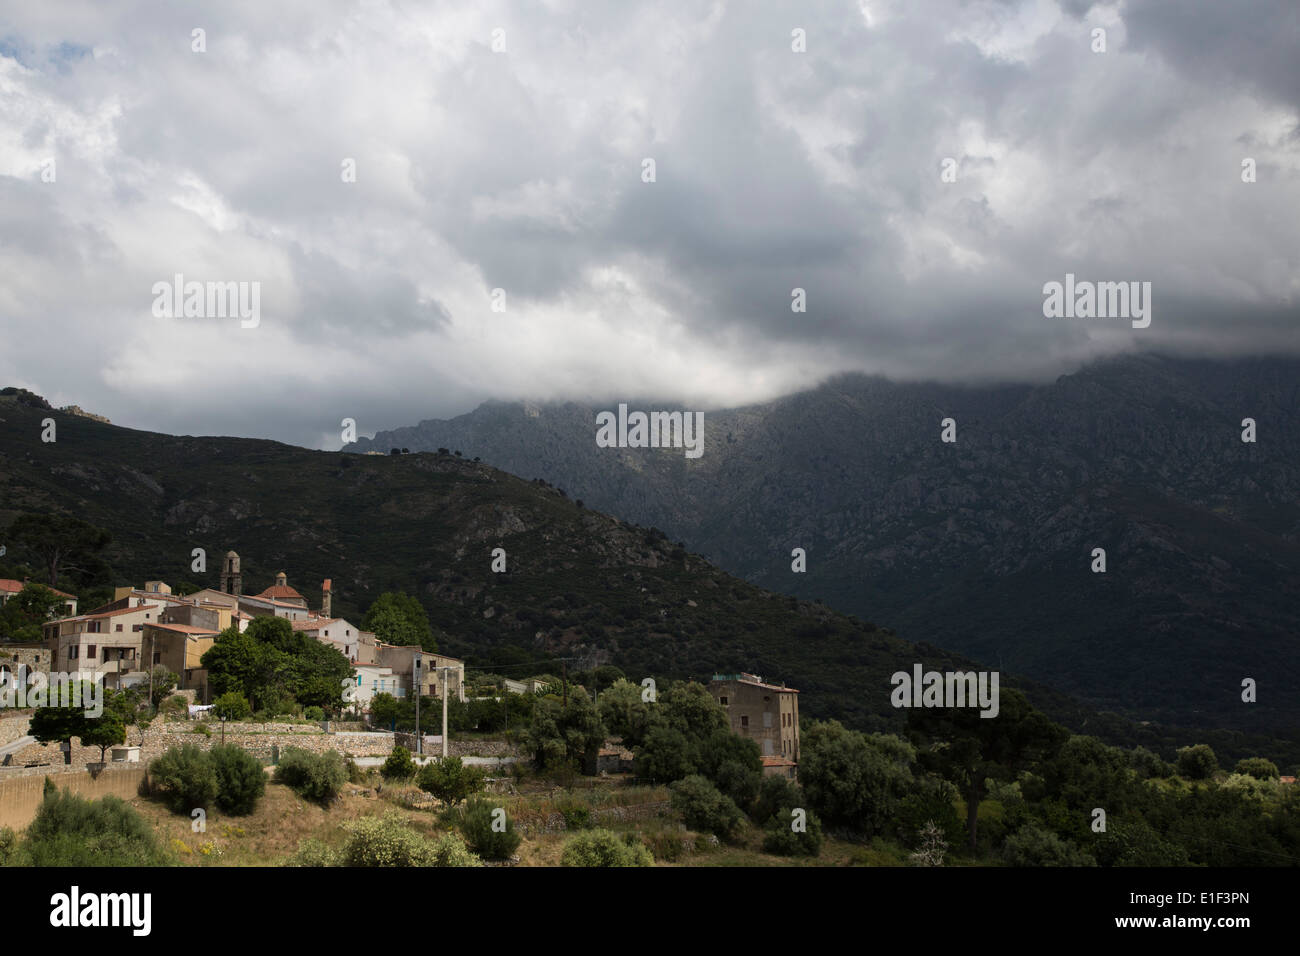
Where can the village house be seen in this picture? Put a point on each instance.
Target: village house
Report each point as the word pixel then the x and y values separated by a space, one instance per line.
pixel 10 588
pixel 356 645
pixel 432 676
pixel 103 642
pixel 373 679
pixel 765 713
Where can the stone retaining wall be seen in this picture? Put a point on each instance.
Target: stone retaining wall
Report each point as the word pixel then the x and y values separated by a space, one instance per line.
pixel 14 726
pixel 21 794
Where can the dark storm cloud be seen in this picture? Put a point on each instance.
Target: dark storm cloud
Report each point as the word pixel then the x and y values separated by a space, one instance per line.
pixel 520 171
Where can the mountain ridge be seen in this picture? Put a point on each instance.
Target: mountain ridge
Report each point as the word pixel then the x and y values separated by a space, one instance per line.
pixel 963 542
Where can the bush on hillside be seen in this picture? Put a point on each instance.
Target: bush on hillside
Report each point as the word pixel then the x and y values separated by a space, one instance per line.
pixel 703 807
pixel 241 781
pixel 316 777
pixel 184 779
pixel 780 837
pixel 72 831
pixel 489 833
pixel 399 767
pixel 605 848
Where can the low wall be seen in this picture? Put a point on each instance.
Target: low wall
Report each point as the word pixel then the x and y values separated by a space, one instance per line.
pixel 21 792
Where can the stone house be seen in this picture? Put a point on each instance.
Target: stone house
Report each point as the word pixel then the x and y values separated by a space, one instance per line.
pixel 765 713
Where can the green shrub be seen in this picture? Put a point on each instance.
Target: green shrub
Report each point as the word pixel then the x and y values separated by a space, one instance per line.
pixel 204 729
pixel 72 831
pixel 780 838
pixel 664 845
pixel 774 793
pixel 1031 845
pixel 387 841
pixel 355 773
pixel 576 817
pixel 1137 844
pixel 317 777
pixel 703 807
pixel 312 852
pixel 241 781
pixel 12 851
pixel 399 766
pixel 176 704
pixel 486 836
pixel 450 850
pixel 450 780
pixel 184 779
pixel 605 848
pixel 231 706
pixel 313 713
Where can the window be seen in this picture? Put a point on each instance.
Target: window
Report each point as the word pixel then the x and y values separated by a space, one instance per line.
pixel 767 718
pixel 744 722
pixel 724 701
pixel 90 650
pixel 157 657
pixel 137 627
pixel 119 627
pixel 72 652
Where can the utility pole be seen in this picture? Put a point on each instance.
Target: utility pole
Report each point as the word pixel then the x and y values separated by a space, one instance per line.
pixel 444 711
pixel 419 737
pixel 152 709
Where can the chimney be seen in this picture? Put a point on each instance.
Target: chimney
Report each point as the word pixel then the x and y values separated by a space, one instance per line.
pixel 325 598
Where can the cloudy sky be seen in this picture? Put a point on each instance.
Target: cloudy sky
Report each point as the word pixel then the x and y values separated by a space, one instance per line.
pixel 127 156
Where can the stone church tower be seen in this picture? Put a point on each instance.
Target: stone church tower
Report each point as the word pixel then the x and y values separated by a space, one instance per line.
pixel 232 582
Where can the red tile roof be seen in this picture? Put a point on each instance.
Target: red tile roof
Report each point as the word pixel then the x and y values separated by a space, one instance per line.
pixel 313 623
pixel 280 591
pixel 14 586
pixel 778 762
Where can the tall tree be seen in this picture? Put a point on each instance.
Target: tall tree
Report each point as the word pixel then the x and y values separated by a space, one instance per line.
pixel 24 613
pixel 63 544
pixel 967 749
pixel 397 618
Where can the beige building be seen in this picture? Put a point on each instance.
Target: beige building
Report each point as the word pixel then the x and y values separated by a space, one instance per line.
pixel 104 641
pixel 432 677
pixel 766 713
pixel 180 649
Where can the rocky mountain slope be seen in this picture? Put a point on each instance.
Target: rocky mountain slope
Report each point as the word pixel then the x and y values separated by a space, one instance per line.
pixel 985 545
